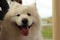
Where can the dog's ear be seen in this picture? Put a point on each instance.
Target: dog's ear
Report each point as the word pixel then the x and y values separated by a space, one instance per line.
pixel 33 5
pixel 14 5
pixel 4 6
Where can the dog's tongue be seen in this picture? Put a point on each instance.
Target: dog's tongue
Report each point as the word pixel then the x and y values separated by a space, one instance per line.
pixel 25 31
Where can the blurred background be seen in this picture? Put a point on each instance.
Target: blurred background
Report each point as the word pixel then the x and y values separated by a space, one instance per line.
pixel 45 11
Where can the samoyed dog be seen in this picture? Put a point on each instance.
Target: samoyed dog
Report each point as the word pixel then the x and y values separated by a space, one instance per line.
pixel 21 22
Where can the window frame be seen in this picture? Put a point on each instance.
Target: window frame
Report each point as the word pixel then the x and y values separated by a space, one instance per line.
pixel 56 19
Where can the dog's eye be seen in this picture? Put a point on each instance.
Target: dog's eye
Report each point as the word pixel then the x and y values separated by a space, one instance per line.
pixel 18 15
pixel 28 14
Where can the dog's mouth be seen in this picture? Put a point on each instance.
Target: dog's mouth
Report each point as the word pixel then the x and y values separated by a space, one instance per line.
pixel 24 29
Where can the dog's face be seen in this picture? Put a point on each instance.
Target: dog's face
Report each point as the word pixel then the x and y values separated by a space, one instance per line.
pixel 24 17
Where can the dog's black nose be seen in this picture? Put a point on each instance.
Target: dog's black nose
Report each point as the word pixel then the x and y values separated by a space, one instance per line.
pixel 25 21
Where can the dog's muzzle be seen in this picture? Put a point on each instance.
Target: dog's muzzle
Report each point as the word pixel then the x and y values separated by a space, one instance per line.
pixel 24 27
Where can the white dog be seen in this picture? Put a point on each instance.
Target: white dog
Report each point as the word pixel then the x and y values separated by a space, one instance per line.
pixel 21 23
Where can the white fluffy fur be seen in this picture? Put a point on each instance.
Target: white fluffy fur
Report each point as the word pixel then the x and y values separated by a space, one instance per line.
pixel 11 32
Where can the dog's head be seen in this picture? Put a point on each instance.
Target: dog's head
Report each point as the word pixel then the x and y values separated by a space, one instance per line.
pixel 24 17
